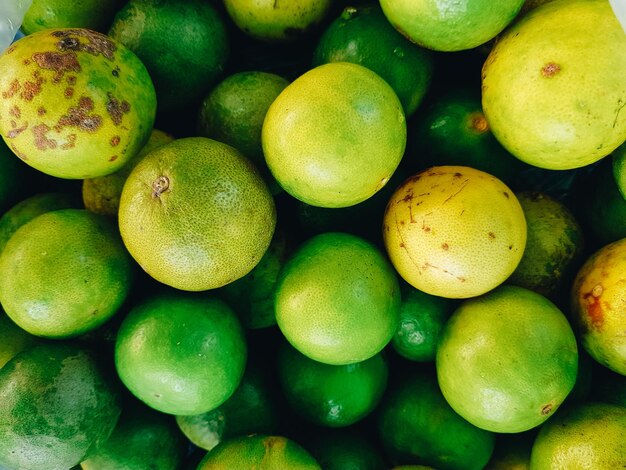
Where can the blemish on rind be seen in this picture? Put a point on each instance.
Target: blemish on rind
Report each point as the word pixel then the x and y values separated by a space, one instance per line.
pixel 14 87
pixel 71 142
pixel 593 306
pixel 15 112
pixel 96 44
pixel 41 111
pixel 78 116
pixel 69 92
pixel 117 109
pixel 113 158
pixel 547 409
pixel 21 155
pixel 59 62
pixel 159 186
pixel 42 142
pixel 115 140
pixel 550 69
pixel 13 133
pixel 31 89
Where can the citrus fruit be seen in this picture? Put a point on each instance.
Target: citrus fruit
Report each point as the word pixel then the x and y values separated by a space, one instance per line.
pixel 362 35
pixel 252 408
pixel 259 451
pixel 337 299
pixel 553 85
pixel 450 26
pixel 64 273
pixel 91 14
pixel 181 354
pixel 328 395
pixel 619 168
pixel 58 403
pixel 101 195
pixel 13 339
pixel 507 360
pixel 590 435
pixel 30 208
pixel 272 21
pixel 345 448
pixel 196 215
pixel 335 135
pixel 453 130
pixel 143 438
pixel 184 45
pixel 252 296
pixel 75 103
pixel 454 231
pixel 554 242
pixel 416 425
pixel 598 295
pixel 422 317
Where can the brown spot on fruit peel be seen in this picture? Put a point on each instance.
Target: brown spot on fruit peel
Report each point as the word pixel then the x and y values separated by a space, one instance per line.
pixel 492 235
pixel 115 140
pixel 159 186
pixel 13 133
pixel 593 306
pixel 547 409
pixel 78 116
pixel 60 63
pixel 550 69
pixel 95 43
pixel 14 87
pixel 71 142
pixel 71 80
pixel 15 112
pixel 42 142
pixel 478 123
pixel 18 153
pixel 113 158
pixel 69 92
pixel 41 111
pixel 445 246
pixel 116 109
pixel 31 89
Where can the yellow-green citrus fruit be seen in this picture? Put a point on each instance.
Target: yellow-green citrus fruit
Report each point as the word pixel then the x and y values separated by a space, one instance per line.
pixel 335 135
pixel 64 273
pixel 102 195
pixel 196 214
pixel 58 403
pixel 277 21
pixel 74 103
pixel 180 353
pixel 555 239
pixel 450 25
pixel 553 85
pixel 259 451
pixel 90 14
pixel 590 435
pixel 507 360
pixel 184 44
pixel 454 231
pixel 338 299
pixel 598 296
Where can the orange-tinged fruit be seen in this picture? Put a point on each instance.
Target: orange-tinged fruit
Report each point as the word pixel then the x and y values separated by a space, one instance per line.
pixel 74 103
pixel 196 214
pixel 450 25
pixel 454 231
pixel 64 273
pixel 338 299
pixel 335 135
pixel 598 299
pixel 589 435
pixel 553 85
pixel 507 360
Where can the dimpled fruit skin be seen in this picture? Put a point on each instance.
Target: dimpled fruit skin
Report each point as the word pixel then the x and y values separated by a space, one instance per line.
pixel 91 14
pixel 335 135
pixel 74 103
pixel 589 435
pixel 57 404
pixel 450 25
pixel 258 451
pixel 554 96
pixel 208 224
pixel 454 231
pixel 598 297
pixel 338 299
pixel 507 360
pixel 180 353
pixel 64 273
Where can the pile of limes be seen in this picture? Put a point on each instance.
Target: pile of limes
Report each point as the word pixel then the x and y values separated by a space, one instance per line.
pixel 313 234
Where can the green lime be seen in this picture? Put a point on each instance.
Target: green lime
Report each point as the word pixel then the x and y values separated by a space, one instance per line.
pixel 181 354
pixel 259 451
pixel 338 299
pixel 65 272
pixel 335 135
pixel 329 395
pixel 58 403
pixel 422 317
pixel 362 35
pixel 507 360
pixel 13 339
pixel 142 439
pixel 91 14
pixel 184 45
pixel 416 425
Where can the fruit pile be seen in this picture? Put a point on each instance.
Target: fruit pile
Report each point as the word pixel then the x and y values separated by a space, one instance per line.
pixel 313 234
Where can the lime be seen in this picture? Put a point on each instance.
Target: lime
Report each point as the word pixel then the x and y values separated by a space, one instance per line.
pixel 83 255
pixel 619 168
pixel 181 354
pixel 338 299
pixel 335 135
pixel 362 35
pixel 507 360
pixel 196 215
pixel 91 14
pixel 76 103
pixel 454 231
